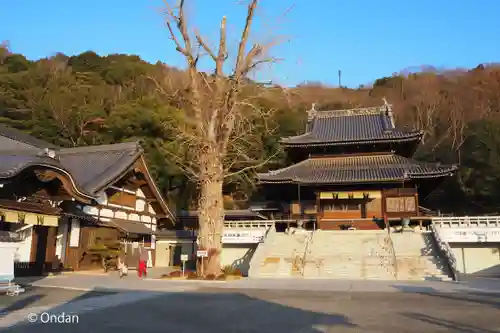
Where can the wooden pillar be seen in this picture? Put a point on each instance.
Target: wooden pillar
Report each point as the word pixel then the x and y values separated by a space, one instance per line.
pixel 34 243
pixel 416 201
pixel 50 252
pixel 384 208
pixel 318 210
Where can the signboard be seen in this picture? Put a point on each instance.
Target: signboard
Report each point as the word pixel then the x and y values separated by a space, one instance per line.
pixel 400 204
pixel 184 257
pixel 243 236
pixel 74 236
pixel 201 253
pixel 470 235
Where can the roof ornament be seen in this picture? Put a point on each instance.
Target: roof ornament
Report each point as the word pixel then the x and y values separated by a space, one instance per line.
pixel 390 115
pixel 50 153
pixel 312 112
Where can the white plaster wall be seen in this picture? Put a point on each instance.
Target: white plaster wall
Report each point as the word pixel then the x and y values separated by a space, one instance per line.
pixel 163 251
pixel 477 259
pixel 140 205
pixel 7 255
pixel 74 237
pixel 61 238
pixel 23 252
pixel 121 215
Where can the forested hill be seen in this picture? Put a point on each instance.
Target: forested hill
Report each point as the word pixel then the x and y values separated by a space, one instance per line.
pixel 89 99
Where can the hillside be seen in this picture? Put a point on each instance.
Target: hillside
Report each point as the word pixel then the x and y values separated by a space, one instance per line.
pixel 89 99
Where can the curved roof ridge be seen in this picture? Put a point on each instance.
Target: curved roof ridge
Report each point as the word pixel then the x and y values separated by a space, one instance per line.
pixel 365 111
pixel 131 145
pixel 23 137
pixel 357 168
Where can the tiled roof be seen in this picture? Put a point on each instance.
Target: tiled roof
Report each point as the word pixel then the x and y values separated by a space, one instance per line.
pixel 96 167
pixel 363 125
pixel 355 169
pixel 12 163
pixel 12 139
pixel 29 207
pixel 91 168
pixel 131 227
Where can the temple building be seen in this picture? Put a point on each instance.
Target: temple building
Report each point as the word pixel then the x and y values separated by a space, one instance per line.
pixel 353 170
pixel 64 201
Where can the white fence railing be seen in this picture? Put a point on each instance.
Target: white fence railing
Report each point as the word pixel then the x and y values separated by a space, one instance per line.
pixel 446 251
pixel 254 223
pixel 466 221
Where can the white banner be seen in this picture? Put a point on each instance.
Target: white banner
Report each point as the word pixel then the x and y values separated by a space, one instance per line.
pixel 243 236
pixel 74 237
pixel 470 235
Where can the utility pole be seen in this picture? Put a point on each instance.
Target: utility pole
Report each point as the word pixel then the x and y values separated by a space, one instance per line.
pixel 340 78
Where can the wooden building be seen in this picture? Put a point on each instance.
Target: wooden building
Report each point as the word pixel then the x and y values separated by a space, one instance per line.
pixel 353 169
pixel 65 200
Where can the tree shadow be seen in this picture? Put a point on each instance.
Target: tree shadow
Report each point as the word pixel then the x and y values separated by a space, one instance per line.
pixel 491 299
pixel 452 326
pixel 38 296
pixel 19 303
pixel 190 312
pixel 484 298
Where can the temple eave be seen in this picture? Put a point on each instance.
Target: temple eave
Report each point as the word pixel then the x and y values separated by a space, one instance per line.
pixel 291 143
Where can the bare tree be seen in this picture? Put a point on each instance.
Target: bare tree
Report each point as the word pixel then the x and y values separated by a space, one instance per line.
pixel 220 118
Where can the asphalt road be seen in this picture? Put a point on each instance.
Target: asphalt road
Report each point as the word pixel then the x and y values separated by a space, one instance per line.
pixel 225 311
pixel 36 296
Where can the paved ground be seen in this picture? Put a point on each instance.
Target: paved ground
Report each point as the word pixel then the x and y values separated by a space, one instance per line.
pixel 36 297
pixel 257 306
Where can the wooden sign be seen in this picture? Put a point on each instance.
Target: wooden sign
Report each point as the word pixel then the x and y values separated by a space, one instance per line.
pixel 400 204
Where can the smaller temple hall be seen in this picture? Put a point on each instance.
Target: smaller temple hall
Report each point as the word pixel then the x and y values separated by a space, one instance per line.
pixel 353 170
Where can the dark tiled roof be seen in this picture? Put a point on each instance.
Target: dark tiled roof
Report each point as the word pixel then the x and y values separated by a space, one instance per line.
pixel 131 227
pixel 363 125
pixel 90 169
pixel 11 139
pixel 28 207
pixel 176 234
pixel 96 167
pixel 356 169
pixel 12 163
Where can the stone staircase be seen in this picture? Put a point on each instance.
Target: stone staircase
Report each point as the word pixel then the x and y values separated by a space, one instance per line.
pixel 348 255
pixel 280 256
pixel 418 257
pixel 351 255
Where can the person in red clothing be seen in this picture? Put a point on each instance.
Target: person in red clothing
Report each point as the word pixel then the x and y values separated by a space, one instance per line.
pixel 142 267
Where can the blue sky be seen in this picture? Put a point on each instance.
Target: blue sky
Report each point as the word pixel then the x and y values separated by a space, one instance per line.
pixel 365 39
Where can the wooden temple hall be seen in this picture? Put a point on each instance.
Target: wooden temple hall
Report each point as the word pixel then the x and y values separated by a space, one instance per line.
pixel 63 202
pixel 352 169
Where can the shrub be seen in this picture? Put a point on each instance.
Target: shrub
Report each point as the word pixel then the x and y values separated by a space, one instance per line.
pixel 231 270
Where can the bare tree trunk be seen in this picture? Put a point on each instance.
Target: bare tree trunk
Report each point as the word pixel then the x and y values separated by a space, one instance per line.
pixel 218 119
pixel 211 212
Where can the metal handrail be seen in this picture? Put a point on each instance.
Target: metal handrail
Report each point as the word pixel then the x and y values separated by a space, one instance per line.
pixel 446 252
pixel 309 241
